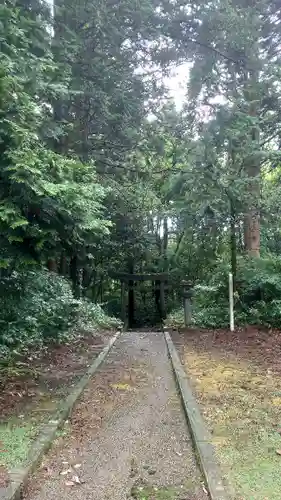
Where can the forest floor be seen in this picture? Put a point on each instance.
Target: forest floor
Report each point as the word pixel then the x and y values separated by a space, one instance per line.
pixel 31 391
pixel 127 436
pixel 237 380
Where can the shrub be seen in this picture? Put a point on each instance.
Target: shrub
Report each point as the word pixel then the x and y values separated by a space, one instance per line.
pixel 257 300
pixel 38 307
pixel 92 315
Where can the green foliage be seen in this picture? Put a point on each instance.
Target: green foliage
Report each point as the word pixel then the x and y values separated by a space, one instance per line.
pixel 16 439
pixel 38 307
pixel 93 316
pixel 49 201
pixel 89 185
pixel 257 299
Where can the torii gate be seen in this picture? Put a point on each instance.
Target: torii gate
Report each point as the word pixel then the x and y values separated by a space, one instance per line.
pixel 127 292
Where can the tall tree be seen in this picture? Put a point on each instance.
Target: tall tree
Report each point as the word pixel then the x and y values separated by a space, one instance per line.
pixel 44 195
pixel 234 49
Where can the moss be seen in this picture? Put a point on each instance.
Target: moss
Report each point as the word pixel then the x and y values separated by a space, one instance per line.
pixel 241 404
pixel 154 493
pixel 144 491
pixel 15 443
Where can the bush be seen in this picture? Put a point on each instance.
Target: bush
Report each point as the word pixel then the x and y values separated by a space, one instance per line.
pixel 92 315
pixel 38 307
pixel 257 299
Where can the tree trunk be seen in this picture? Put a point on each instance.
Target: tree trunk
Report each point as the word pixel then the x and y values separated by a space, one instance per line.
pixel 75 276
pixel 157 297
pixel 131 304
pixel 252 216
pixel 162 301
pixel 60 105
pixel 123 301
pixel 164 285
pixel 86 279
pixel 63 265
pixel 240 243
pixel 165 237
pixel 131 297
pixel 252 233
pixel 52 265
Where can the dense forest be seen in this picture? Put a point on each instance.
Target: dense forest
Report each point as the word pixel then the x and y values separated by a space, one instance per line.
pixel 101 172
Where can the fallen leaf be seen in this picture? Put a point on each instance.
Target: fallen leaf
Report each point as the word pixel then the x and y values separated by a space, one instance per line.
pixel 76 479
pixel 122 387
pixel 204 489
pixel 69 483
pixel 276 401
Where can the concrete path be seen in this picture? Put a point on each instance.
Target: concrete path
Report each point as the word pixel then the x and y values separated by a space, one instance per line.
pixel 127 437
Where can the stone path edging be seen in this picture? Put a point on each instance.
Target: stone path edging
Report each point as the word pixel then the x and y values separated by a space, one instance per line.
pixel 199 432
pixel 49 430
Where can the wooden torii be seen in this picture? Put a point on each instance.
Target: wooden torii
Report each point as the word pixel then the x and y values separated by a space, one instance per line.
pixel 127 292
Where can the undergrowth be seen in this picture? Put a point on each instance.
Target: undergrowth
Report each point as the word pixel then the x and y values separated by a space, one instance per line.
pixel 39 308
pixel 257 297
pixel 15 443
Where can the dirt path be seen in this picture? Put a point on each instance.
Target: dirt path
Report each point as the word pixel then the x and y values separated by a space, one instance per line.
pixel 127 437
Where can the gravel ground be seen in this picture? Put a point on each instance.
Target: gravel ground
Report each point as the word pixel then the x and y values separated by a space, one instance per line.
pixel 127 437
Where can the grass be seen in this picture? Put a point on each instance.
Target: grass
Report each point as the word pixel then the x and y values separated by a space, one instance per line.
pixel 241 402
pixel 17 434
pixel 15 442
pixel 35 394
pixel 154 493
pixel 144 491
